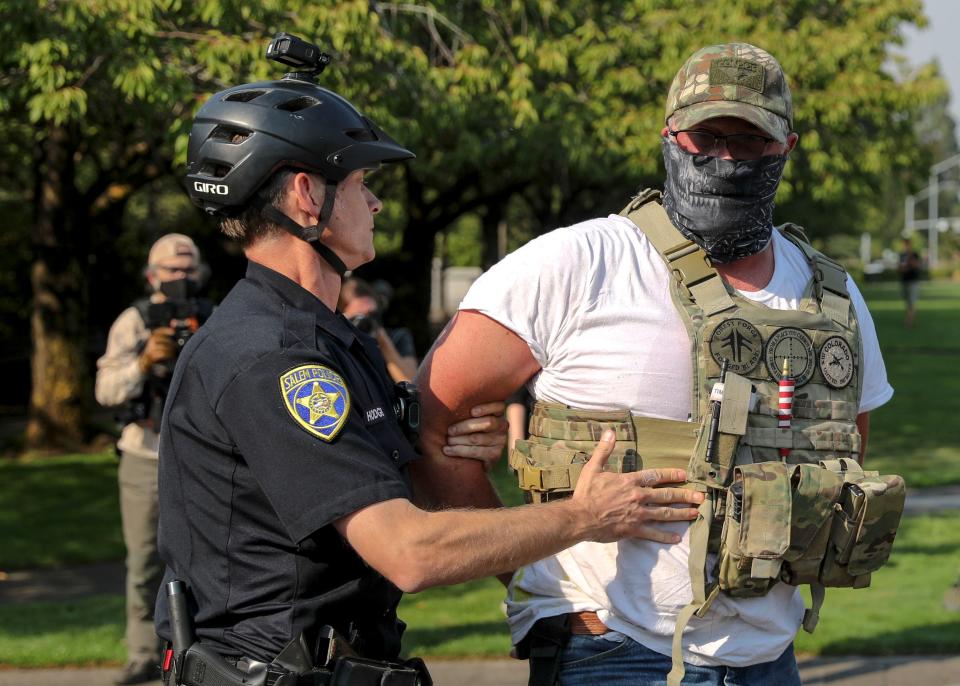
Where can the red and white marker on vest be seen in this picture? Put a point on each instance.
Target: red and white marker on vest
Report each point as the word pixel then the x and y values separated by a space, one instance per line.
pixel 785 403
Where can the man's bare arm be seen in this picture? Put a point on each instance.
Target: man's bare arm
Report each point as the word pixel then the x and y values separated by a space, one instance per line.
pixel 475 360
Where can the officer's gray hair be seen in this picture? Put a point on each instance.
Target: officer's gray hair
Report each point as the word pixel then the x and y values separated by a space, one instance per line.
pixel 250 226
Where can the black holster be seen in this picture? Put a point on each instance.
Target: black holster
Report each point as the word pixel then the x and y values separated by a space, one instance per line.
pixel 543 646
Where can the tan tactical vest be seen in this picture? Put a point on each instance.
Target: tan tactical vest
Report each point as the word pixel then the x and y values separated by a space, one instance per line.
pixel 812 517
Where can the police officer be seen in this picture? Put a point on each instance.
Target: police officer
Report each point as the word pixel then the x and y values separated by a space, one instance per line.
pixel 286 503
pixel 132 375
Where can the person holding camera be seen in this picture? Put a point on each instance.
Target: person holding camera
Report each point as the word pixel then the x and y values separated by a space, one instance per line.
pixel 134 375
pixel 360 304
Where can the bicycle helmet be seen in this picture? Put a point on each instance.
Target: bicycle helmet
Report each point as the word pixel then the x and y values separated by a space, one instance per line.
pixel 243 135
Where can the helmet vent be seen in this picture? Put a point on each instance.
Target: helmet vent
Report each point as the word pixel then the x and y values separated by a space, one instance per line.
pixel 230 134
pixel 243 96
pixel 361 135
pixel 217 171
pixel 297 104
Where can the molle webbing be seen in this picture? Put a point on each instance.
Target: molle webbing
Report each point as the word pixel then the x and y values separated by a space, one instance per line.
pixel 685 259
pixel 562 439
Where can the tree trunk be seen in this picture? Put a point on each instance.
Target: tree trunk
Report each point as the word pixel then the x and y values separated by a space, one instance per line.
pixel 58 363
pixel 492 221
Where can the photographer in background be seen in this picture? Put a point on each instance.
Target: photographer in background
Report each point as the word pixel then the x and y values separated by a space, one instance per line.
pixel 134 376
pixel 360 303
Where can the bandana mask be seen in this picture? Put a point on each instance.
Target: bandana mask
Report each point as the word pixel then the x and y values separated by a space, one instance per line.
pixel 724 206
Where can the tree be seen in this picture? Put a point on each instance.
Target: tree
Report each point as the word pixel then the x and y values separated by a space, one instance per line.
pixel 547 111
pixel 96 93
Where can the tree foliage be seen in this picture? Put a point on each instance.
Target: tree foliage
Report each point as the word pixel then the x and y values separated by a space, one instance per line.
pixel 542 111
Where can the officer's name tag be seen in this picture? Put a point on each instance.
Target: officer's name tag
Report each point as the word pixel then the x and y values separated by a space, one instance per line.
pixel 377 414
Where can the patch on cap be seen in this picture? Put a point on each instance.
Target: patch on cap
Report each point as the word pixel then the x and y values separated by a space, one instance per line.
pixel 735 71
pixel 731 80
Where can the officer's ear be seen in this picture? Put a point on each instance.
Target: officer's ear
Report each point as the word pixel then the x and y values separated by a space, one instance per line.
pixel 306 194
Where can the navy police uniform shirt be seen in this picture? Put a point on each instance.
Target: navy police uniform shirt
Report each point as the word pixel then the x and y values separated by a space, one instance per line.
pixel 279 421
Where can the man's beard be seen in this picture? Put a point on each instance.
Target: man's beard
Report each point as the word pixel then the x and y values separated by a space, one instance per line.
pixel 724 206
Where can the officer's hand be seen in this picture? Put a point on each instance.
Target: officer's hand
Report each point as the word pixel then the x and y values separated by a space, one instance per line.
pixel 481 436
pixel 619 506
pixel 160 346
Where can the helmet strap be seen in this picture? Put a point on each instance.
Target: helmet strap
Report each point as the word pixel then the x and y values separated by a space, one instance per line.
pixel 310 234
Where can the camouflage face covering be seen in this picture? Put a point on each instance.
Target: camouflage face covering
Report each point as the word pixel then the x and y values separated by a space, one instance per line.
pixel 724 206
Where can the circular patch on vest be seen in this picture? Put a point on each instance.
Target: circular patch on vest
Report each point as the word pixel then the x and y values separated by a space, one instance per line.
pixel 794 345
pixel 739 343
pixel 836 362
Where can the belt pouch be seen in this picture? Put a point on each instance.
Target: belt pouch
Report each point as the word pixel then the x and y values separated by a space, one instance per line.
pixel 544 646
pixel 358 671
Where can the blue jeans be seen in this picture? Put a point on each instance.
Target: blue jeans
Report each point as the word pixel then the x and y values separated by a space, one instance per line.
pixel 594 660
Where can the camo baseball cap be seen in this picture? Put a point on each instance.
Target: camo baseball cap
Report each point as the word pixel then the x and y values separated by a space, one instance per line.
pixel 732 80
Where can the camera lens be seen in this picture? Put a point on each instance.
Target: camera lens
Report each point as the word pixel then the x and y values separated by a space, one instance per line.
pixel 364 323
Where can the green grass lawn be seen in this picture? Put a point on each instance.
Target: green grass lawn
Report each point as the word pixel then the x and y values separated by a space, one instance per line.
pixel 78 632
pixel 917 434
pixel 56 511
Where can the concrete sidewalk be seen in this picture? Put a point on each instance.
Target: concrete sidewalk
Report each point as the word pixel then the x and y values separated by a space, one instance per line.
pixel 844 671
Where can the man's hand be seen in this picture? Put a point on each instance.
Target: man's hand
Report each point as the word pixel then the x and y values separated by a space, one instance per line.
pixel 160 347
pixel 619 506
pixel 481 436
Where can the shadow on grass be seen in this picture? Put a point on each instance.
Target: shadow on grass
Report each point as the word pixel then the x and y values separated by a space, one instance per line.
pixel 60 510
pixel 426 638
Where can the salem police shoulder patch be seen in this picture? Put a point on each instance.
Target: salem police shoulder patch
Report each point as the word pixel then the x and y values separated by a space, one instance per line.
pixel 317 398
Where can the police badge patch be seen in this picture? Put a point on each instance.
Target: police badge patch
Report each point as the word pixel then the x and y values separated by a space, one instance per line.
pixel 317 399
pixel 739 343
pixel 794 345
pixel 836 362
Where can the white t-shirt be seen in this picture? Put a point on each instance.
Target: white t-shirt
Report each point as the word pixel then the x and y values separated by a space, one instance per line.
pixel 593 303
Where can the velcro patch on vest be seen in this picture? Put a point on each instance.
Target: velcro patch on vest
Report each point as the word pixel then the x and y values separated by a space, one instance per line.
pixel 736 71
pixel 794 346
pixel 739 343
pixel 836 362
pixel 317 399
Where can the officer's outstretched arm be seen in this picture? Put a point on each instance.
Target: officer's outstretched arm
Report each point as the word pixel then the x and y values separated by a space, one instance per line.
pixel 416 549
pixel 475 360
